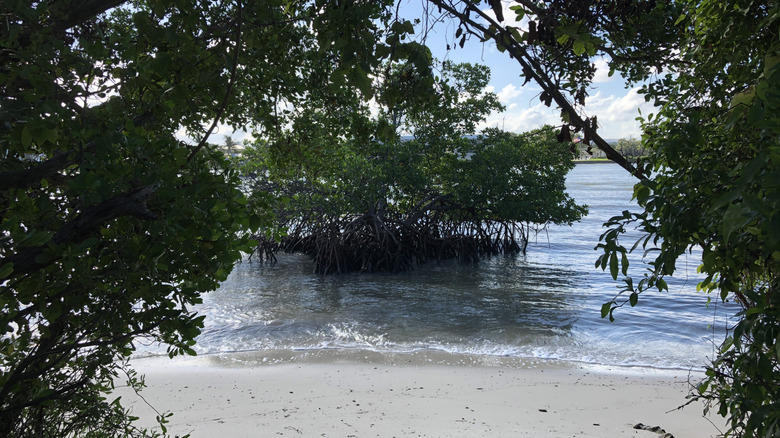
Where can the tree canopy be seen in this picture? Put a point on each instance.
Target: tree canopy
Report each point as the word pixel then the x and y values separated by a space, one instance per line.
pixel 416 182
pixel 716 152
pixel 111 225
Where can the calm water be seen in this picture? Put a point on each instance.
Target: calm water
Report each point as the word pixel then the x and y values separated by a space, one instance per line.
pixel 542 305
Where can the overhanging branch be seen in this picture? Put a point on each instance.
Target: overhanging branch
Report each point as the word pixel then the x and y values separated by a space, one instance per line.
pixel 532 68
pixel 18 179
pixel 132 203
pixel 83 12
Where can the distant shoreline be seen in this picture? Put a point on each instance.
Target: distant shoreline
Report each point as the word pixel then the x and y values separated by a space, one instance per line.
pixel 593 161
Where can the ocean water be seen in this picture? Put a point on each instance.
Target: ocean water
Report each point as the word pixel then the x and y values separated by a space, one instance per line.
pixel 544 305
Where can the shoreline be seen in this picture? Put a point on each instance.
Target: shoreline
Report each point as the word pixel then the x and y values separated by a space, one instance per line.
pixel 593 161
pixel 252 358
pixel 370 394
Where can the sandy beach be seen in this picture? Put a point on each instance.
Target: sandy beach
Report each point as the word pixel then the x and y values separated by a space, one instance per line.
pixel 250 395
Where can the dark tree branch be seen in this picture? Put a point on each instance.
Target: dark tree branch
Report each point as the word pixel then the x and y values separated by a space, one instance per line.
pixel 132 203
pixel 532 68
pixel 83 12
pixel 17 179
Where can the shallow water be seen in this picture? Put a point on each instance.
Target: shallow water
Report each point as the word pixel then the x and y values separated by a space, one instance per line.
pixel 542 305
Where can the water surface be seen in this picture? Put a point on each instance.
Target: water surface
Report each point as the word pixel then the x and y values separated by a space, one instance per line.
pixel 545 304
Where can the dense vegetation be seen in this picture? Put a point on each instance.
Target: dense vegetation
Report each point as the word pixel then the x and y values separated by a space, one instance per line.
pixel 112 227
pixel 711 176
pixel 714 145
pixel 383 202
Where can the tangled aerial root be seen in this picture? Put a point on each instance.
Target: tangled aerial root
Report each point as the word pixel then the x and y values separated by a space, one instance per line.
pixel 378 241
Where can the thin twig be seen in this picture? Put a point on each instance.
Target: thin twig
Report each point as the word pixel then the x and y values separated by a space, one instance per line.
pixel 228 92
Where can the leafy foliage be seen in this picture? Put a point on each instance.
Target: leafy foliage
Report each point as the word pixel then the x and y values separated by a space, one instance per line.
pixel 554 41
pixel 112 226
pixel 371 200
pixel 630 147
pixel 711 177
pixel 715 148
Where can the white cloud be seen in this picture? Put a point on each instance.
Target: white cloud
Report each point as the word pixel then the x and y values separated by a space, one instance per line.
pixel 522 120
pixel 614 108
pixel 602 72
pixel 508 93
pixel 617 114
pixel 373 107
pixel 218 136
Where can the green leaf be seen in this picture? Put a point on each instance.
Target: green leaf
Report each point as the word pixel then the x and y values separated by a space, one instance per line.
pixel 756 112
pixel 579 47
pixel 180 155
pixel 6 269
pixel 590 48
pixel 360 79
pixel 725 199
pixel 624 263
pixel 606 309
pixel 158 8
pixel 733 219
pixel 633 299
pixel 726 344
pixel 26 137
pixel 642 193
pixel 613 265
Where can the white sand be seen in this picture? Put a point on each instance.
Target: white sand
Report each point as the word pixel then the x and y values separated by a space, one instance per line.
pixel 413 396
